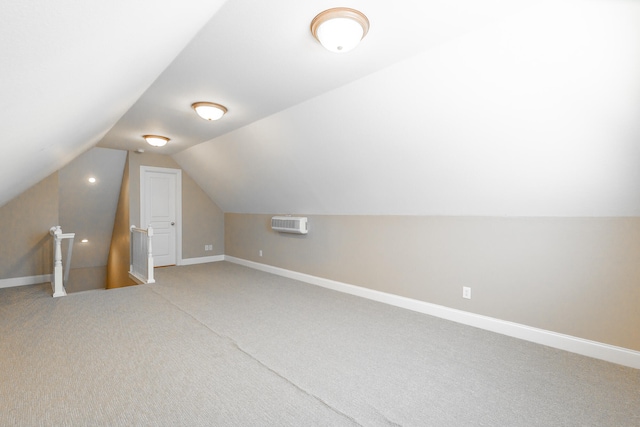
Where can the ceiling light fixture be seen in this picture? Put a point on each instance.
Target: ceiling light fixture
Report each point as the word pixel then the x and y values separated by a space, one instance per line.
pixel 340 29
pixel 209 110
pixel 156 140
pixel 92 180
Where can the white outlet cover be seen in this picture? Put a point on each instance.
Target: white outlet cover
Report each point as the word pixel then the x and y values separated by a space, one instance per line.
pixel 466 292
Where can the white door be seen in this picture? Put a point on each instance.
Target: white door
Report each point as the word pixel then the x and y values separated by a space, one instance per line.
pixel 159 210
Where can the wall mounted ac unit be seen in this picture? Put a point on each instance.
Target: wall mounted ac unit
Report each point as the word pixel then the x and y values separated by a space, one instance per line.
pixel 290 224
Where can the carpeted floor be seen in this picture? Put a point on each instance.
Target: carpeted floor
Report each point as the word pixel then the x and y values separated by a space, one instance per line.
pixel 221 344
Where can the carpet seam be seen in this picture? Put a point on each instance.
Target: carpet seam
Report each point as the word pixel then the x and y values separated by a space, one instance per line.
pixel 236 345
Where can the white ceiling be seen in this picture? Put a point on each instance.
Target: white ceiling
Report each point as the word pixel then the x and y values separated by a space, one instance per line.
pixel 71 68
pixel 448 107
pixel 534 115
pixel 258 58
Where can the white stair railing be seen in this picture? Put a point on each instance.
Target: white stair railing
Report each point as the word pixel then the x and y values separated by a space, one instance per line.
pixel 141 265
pixel 60 277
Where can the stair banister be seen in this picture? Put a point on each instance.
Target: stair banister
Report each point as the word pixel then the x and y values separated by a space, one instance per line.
pixel 141 265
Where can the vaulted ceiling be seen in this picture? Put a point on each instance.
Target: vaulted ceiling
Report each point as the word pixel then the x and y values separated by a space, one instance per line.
pixel 447 107
pixel 71 69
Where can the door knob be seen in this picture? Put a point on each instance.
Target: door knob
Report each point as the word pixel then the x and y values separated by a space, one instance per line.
pixel 173 223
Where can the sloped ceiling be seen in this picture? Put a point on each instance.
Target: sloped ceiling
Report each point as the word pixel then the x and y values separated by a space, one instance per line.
pixel 537 115
pixel 71 68
pixel 448 107
pixel 259 58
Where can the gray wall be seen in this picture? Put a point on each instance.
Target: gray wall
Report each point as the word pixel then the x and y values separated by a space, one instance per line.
pixel 89 210
pixel 65 198
pixel 25 243
pixel 202 220
pixel 577 276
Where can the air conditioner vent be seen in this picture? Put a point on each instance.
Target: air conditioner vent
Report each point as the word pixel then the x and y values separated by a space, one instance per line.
pixel 289 224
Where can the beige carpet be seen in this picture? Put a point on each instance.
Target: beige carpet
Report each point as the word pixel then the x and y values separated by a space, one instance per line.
pixel 221 344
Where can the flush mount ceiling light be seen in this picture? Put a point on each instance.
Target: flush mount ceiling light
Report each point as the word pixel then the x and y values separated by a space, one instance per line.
pixel 340 29
pixel 92 180
pixel 156 140
pixel 209 110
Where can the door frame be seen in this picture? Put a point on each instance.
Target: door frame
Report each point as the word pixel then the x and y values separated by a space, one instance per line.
pixel 178 174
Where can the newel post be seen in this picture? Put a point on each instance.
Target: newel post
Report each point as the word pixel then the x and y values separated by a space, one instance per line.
pixel 57 284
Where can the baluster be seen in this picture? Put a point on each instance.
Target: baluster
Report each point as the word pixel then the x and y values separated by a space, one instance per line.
pixel 131 248
pixel 150 278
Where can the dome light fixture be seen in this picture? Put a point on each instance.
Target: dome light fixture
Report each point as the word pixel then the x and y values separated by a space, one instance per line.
pixel 156 140
pixel 209 110
pixel 340 29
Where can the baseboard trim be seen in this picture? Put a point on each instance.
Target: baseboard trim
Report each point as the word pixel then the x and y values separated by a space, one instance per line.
pixel 202 260
pixel 597 350
pixel 24 281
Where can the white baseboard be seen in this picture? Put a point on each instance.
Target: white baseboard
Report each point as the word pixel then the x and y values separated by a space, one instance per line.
pixel 597 350
pixel 202 260
pixel 23 281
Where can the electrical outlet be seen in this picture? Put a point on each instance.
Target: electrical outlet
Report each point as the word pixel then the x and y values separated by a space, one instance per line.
pixel 260 252
pixel 206 247
pixel 466 292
